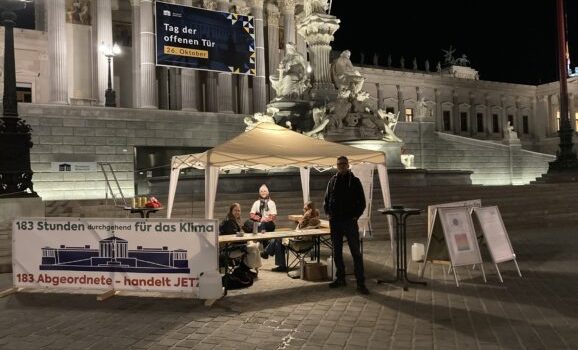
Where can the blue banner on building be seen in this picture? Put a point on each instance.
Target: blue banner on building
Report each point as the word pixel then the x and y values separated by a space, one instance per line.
pixel 191 37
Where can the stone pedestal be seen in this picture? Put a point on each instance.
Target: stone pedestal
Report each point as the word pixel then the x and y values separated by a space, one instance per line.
pixel 10 209
pixel 392 150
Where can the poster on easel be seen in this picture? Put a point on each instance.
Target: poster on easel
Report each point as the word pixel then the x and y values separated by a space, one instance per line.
pixel 458 243
pixel 496 237
pixel 432 210
pixel 436 250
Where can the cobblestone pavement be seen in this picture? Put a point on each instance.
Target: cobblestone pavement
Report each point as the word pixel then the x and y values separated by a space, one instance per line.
pixel 539 311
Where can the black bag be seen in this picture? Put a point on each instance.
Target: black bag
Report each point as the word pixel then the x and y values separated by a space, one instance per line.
pixel 238 279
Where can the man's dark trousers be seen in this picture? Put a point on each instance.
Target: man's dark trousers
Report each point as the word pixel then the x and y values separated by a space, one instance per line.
pixel 349 229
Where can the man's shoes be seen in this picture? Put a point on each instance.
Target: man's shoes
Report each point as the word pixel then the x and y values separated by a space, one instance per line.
pixel 264 255
pixel 362 289
pixel 338 283
pixel 280 269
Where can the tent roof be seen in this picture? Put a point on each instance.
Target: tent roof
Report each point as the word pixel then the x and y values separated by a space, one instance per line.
pixel 269 145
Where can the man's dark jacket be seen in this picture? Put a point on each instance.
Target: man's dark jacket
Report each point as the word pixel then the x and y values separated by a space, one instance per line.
pixel 344 197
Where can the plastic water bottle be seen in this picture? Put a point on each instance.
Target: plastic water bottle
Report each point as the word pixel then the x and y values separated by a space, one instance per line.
pixel 417 252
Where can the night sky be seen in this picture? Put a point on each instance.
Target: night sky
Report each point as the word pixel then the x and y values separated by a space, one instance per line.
pixel 509 40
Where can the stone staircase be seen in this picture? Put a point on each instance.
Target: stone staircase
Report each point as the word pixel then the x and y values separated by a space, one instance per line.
pixel 492 162
pixel 540 205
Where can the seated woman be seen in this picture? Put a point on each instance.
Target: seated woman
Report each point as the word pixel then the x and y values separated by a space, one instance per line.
pixel 250 250
pixel 310 217
pixel 309 220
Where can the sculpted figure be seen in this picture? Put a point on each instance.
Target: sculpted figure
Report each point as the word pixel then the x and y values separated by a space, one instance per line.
pixel 449 56
pixel 339 109
pixel 293 78
pixel 421 109
pixel 320 122
pixel 462 61
pixel 344 75
pixel 389 123
pixel 259 118
pixel 315 6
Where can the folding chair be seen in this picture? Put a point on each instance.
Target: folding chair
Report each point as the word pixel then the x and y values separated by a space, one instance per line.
pixel 296 250
pixel 231 256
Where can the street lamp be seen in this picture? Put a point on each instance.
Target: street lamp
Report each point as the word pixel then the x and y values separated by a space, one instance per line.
pixel 110 52
pixel 15 138
pixel 566 156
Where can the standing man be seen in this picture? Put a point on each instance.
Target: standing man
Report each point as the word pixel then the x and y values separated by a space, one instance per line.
pixel 344 204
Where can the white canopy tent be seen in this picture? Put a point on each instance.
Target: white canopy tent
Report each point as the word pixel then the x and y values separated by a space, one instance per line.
pixel 270 146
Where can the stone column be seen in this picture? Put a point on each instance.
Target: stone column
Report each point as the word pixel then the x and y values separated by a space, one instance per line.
pixel 243 81
pixel 189 82
pixel 259 84
pixel 211 89
pixel 488 123
pixel 287 8
pixel 380 96
pixel 456 113
pixel 57 51
pixel 273 42
pixel 439 113
pixel 225 80
pixel 136 86
pixel 318 28
pixel 40 15
pixel 148 82
pixel 504 117
pixel 473 116
pixel 103 38
pixel 400 103
pixel 540 118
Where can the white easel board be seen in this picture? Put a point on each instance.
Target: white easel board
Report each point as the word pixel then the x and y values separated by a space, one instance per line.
pixel 458 242
pixel 496 236
pixel 436 250
pixel 432 211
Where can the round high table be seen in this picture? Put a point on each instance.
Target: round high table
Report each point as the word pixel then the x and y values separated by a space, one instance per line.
pixel 401 214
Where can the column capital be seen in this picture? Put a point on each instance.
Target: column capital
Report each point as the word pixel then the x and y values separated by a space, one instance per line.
pixel 273 15
pixel 287 6
pixel 256 3
pixel 210 4
pixel 242 8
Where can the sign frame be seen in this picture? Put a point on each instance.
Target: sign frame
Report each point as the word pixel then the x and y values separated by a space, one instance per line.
pixel 491 233
pixel 114 255
pixel 459 236
pixel 435 233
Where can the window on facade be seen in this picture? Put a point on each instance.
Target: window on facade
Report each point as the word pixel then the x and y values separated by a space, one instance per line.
pixel 464 121
pixel 557 121
pixel 495 123
pixel 24 94
pixel 447 121
pixel 480 122
pixel 525 125
pixel 389 110
pixel 409 114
